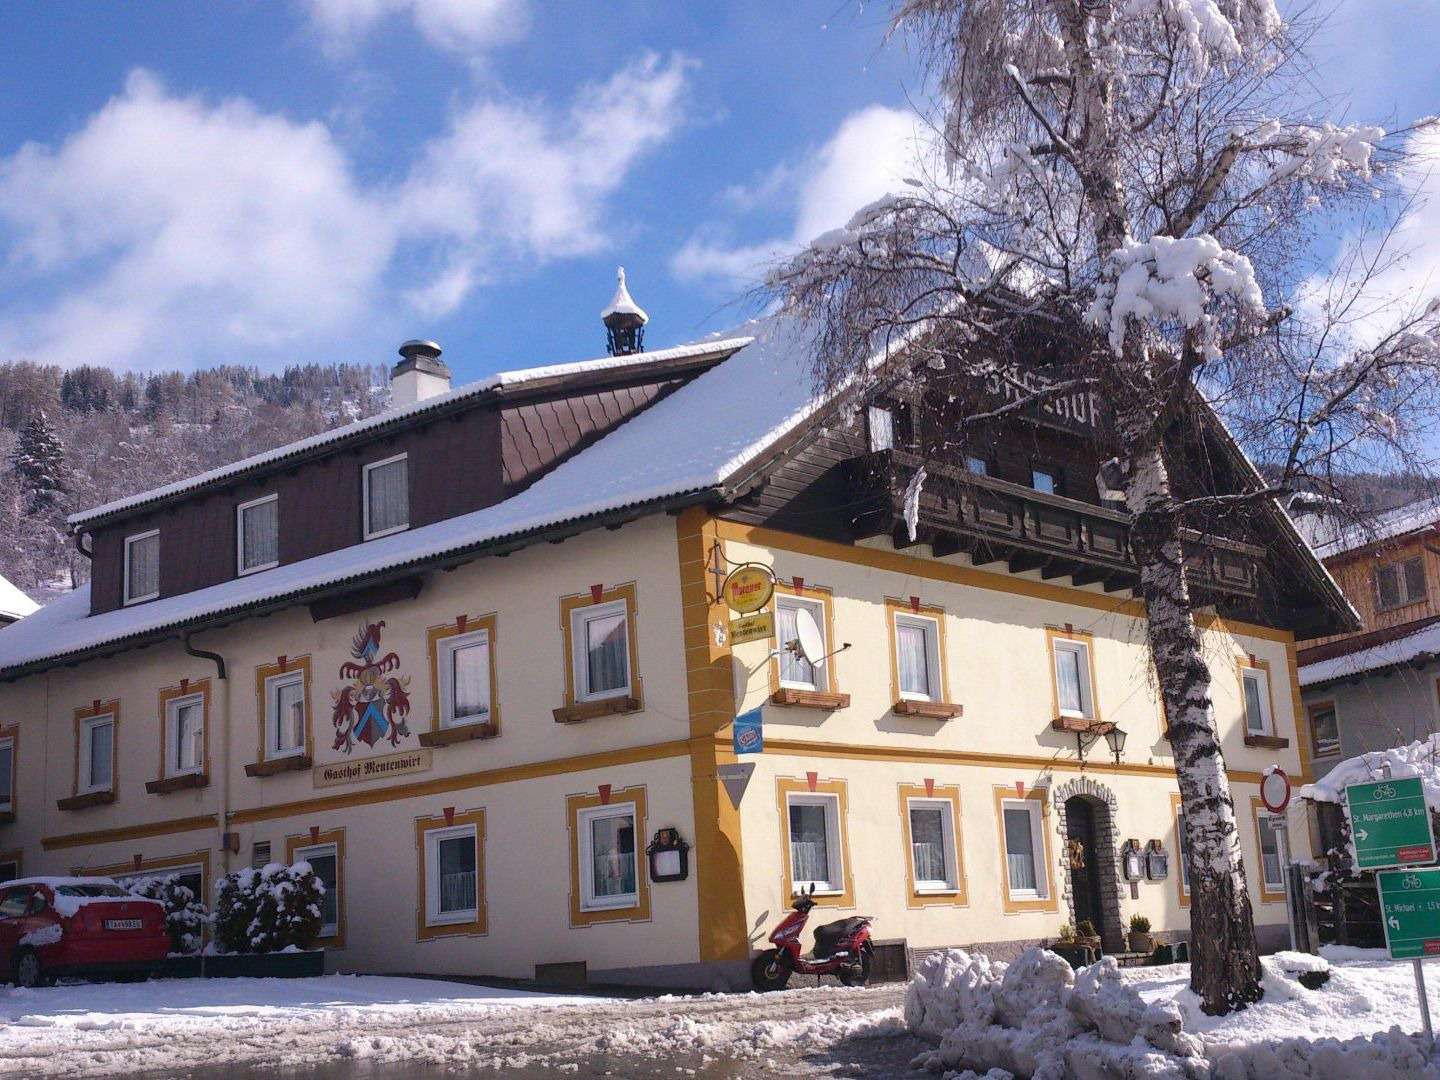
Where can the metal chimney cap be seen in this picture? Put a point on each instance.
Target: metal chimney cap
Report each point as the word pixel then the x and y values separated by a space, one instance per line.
pixel 415 348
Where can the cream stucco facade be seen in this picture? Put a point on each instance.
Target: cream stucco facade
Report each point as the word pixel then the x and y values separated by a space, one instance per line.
pixel 524 786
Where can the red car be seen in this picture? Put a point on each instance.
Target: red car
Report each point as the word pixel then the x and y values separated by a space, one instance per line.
pixel 55 926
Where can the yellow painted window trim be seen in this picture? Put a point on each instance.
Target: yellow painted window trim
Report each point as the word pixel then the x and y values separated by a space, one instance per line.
pixel 1079 637
pixel 296 842
pixel 1050 901
pixel 1181 891
pixel 826 598
pixel 915 898
pixel 199 688
pixel 785 787
pixel 1253 663
pixel 627 592
pixel 475 927
pixel 111 709
pixel 434 635
pixel 894 609
pixel 1267 895
pixel 640 910
pixel 264 672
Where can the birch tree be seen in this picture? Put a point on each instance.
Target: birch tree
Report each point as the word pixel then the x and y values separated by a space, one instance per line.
pixel 1141 181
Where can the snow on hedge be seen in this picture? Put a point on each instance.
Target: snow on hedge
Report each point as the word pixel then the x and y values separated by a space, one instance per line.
pixel 1421 758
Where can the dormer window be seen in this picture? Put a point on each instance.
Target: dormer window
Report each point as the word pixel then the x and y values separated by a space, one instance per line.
pixel 142 566
pixel 257 534
pixel 387 497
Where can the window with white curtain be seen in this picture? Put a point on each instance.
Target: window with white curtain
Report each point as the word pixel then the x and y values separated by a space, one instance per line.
pixel 600 642
pixel 815 843
pixel 257 528
pixel 882 428
pixel 7 775
pixel 452 875
pixel 387 496
pixel 97 754
pixel 142 566
pixel 1024 842
pixel 185 737
pixel 1272 868
pixel 324 859
pixel 1072 679
pixel 285 714
pixel 465 679
pixel 917 657
pixel 608 861
pixel 1257 700
pixel 795 671
pixel 932 845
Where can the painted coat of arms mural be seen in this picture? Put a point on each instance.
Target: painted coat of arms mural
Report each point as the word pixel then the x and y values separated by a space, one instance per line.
pixel 374 703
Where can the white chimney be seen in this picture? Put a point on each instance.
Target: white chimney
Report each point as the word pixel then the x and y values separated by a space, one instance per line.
pixel 420 374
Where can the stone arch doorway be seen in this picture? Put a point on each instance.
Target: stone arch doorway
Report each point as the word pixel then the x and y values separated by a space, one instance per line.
pixel 1090 876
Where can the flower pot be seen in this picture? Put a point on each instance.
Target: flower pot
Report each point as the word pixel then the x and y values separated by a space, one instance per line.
pixel 1142 942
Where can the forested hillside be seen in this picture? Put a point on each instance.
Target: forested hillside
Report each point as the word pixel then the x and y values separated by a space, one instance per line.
pixel 71 439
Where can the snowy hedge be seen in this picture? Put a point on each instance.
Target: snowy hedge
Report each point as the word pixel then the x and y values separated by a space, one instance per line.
pixel 185 915
pixel 268 910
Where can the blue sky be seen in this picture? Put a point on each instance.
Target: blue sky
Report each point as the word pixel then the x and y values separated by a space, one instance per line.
pixel 273 181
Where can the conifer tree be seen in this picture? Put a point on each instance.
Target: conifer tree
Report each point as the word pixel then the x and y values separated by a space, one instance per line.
pixel 40 466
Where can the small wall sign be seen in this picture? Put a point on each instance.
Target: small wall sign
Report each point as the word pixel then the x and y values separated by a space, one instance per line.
pixel 358 770
pixel 669 856
pixel 1132 861
pixel 752 628
pixel 1157 862
pixel 749 732
pixel 748 588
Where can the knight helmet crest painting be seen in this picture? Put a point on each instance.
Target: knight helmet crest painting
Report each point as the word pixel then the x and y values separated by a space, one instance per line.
pixel 375 703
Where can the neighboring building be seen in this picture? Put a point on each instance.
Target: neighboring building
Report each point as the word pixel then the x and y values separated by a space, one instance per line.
pixel 14 604
pixel 1377 687
pixel 466 657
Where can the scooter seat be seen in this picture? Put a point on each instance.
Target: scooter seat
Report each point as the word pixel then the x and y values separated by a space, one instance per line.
pixel 829 936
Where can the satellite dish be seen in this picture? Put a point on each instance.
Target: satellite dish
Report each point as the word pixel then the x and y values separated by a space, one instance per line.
pixel 809 638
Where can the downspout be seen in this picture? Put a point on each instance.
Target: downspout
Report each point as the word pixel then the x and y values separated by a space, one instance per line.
pixel 222 724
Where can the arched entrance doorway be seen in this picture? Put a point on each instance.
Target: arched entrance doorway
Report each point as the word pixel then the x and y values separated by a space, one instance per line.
pixel 1086 819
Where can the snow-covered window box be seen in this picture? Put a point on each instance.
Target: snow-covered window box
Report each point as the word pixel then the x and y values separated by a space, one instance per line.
pixel 387 496
pixel 257 535
pixel 609 858
pixel 1073 666
pixel 142 566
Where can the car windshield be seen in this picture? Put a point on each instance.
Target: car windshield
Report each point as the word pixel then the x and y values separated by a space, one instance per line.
pixel 90 890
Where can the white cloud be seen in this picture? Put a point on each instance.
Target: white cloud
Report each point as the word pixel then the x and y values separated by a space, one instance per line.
pixel 462 26
pixel 871 152
pixel 171 230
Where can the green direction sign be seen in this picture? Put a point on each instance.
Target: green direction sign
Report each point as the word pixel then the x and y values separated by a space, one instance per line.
pixel 1410 908
pixel 1389 824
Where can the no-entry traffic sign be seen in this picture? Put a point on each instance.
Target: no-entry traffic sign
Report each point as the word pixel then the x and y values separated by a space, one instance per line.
pixel 1389 824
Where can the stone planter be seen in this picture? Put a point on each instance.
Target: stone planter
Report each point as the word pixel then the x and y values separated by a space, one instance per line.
pixel 292 965
pixel 1142 943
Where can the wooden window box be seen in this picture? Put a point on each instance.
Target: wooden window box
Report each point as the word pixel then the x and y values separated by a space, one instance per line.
pixel 183 782
pixel 1080 724
pixel 589 710
pixel 293 763
pixel 1268 742
pixel 84 802
pixel 452 735
pixel 931 710
pixel 810 699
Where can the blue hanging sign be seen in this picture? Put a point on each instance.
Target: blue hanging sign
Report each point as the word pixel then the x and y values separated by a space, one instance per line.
pixel 749 732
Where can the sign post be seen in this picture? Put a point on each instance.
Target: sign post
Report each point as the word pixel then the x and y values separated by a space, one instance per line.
pixel 1275 794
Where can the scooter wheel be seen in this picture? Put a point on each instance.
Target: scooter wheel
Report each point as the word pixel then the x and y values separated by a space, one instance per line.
pixel 856 974
pixel 768 972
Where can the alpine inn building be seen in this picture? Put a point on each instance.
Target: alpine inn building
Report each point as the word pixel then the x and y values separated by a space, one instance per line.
pixel 469 657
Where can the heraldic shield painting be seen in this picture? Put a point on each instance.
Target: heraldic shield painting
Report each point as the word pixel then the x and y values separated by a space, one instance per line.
pixel 375 703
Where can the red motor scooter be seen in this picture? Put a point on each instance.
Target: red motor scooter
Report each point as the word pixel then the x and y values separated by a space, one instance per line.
pixel 842 949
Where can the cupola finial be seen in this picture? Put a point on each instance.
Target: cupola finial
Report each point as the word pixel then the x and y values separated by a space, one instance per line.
pixel 624 320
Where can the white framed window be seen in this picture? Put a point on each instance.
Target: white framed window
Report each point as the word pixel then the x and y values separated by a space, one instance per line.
pixel 1325 729
pixel 1073 693
pixel 142 566
pixel 97 754
pixel 387 496
pixel 600 641
pixel 7 775
pixel 185 734
pixel 881 423
pixel 452 876
pixel 1024 845
pixel 1182 851
pixel 1400 583
pixel 1271 866
pixel 257 535
pixel 796 672
pixel 465 679
pixel 1256 684
pixel 324 859
pixel 609 867
pixel 932 845
pixel 917 657
pixel 285 715
pixel 815 855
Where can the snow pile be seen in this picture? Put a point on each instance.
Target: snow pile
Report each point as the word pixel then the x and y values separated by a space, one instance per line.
pixel 1421 758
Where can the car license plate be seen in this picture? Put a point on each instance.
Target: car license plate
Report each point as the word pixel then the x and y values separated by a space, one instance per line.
pixel 122 924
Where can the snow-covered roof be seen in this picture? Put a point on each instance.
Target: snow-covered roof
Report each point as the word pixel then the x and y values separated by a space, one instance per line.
pixel 687 442
pixel 1423 643
pixel 622 303
pixel 1416 759
pixel 14 604
pixel 1332 538
pixel 508 379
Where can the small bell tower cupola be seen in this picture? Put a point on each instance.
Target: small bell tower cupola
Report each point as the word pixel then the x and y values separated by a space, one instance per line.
pixel 624 321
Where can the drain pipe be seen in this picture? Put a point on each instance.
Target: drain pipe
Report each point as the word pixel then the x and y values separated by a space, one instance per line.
pixel 221 723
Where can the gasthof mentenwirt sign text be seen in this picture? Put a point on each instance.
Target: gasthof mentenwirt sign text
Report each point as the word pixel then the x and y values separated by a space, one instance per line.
pixel 372 768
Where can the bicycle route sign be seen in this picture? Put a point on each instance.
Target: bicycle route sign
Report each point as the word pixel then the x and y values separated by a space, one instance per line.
pixel 1410 909
pixel 1389 824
